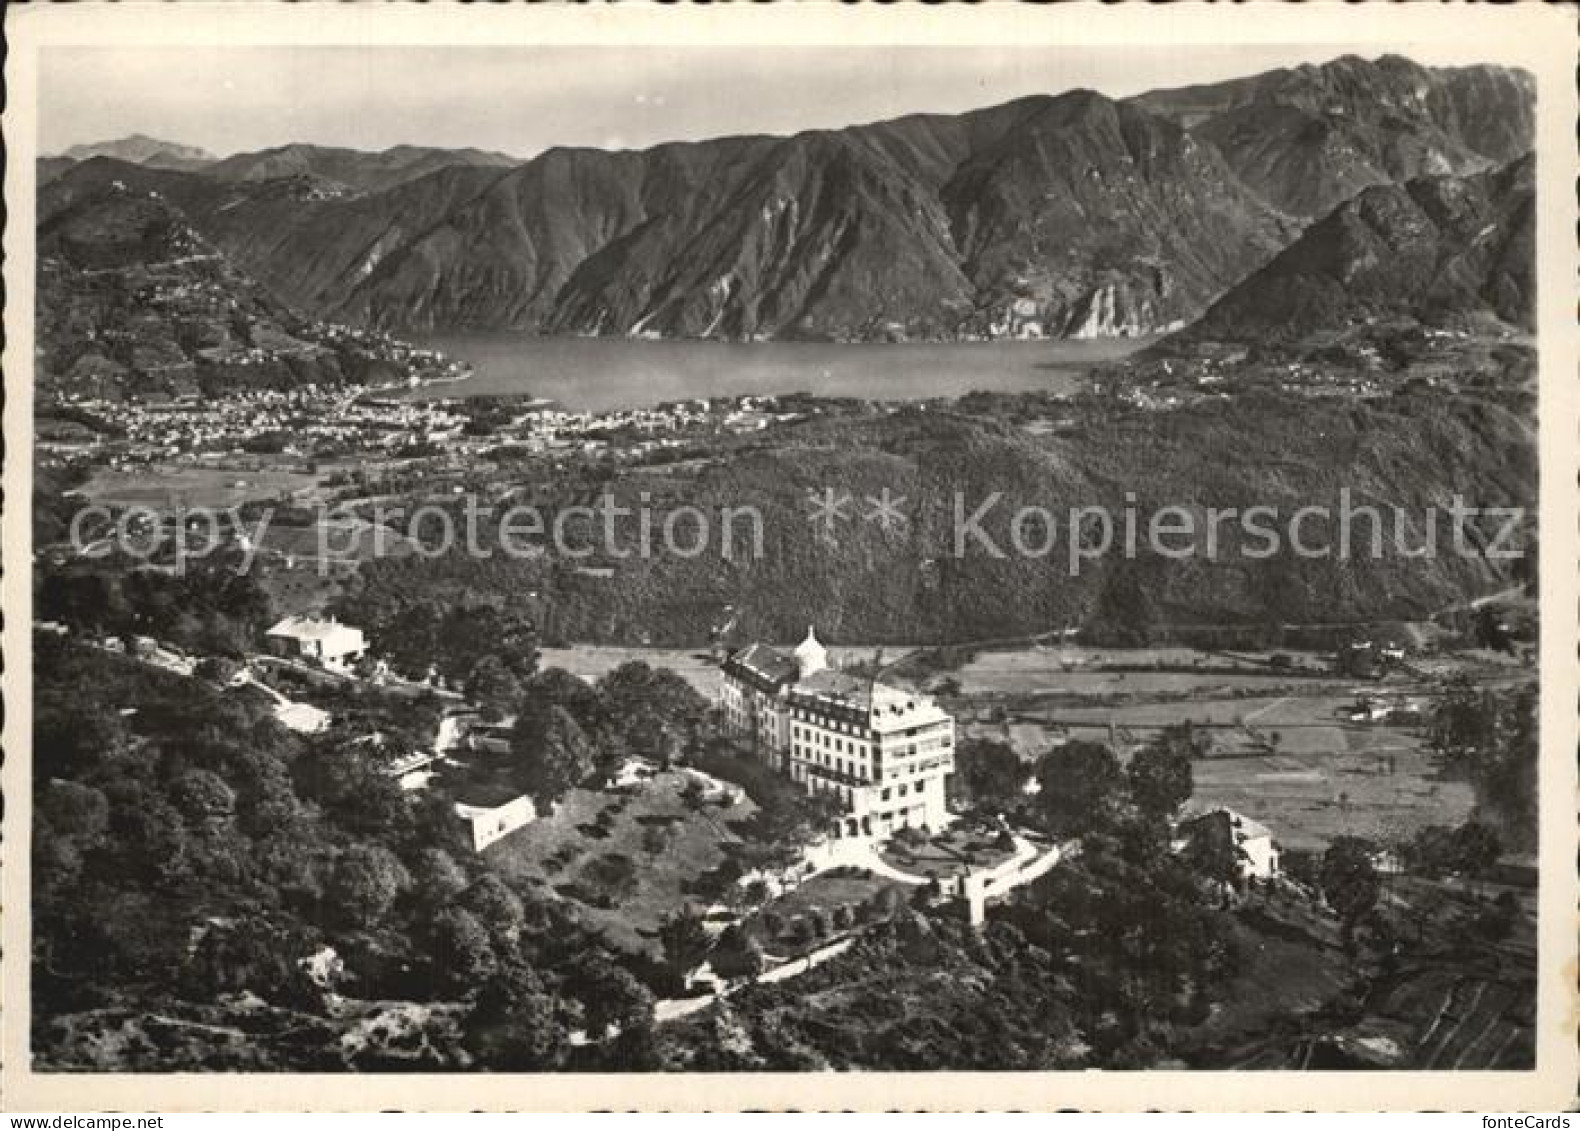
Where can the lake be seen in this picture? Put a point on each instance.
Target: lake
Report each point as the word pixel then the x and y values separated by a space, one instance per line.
pixel 599 374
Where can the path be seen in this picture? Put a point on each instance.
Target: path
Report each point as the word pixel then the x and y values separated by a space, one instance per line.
pixel 672 1009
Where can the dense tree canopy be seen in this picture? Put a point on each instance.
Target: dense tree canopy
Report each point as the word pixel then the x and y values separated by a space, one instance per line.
pixel 989 772
pixel 1080 784
pixel 1160 772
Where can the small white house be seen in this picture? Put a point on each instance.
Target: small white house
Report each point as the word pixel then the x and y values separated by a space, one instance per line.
pixel 331 643
pixel 494 818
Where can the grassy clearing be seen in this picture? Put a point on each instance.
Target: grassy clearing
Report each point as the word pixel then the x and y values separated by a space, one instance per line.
pixel 625 860
pixel 818 901
pixel 593 661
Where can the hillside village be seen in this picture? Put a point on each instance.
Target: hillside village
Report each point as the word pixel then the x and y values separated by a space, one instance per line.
pixel 316 790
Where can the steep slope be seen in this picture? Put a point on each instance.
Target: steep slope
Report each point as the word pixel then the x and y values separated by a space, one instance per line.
pixel 1095 219
pixel 353 168
pixel 48 168
pixel 1067 216
pixel 134 302
pixel 1051 216
pixel 1439 250
pixel 142 150
pixel 1309 137
pixel 955 572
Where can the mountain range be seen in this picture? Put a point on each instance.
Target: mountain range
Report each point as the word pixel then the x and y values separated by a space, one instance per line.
pixel 1070 215
pixel 1434 250
pixel 144 150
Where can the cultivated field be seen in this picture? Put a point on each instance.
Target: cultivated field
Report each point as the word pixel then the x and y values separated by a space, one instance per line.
pixel 164 485
pixel 1294 762
pixel 1080 672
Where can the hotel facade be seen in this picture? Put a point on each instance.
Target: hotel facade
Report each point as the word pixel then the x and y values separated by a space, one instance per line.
pixel 883 752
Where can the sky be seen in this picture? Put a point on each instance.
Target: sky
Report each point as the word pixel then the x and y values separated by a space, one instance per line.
pixel 522 100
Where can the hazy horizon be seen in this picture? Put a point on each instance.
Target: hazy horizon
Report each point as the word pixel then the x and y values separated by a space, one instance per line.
pixel 521 101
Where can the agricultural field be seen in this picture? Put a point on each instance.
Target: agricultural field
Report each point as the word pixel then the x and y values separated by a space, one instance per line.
pixel 1075 670
pixel 626 860
pixel 1294 762
pixel 1284 748
pixel 164 485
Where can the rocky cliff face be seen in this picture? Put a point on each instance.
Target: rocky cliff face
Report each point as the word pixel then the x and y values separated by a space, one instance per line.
pixel 1067 216
pixel 1309 137
pixel 1043 218
pixel 1440 250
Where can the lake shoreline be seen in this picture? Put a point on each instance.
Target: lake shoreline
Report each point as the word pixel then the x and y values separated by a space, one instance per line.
pixel 610 374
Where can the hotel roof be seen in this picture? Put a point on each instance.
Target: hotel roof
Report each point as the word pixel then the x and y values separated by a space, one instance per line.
pixel 881 706
pixel 765 668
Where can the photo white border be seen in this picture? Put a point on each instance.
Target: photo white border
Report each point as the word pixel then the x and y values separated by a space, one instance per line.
pixel 1539 37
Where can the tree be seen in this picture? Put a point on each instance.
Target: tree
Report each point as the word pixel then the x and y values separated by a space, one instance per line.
pixel 515 1024
pixel 685 941
pixel 1477 847
pixel 364 883
pixel 1080 784
pixel 653 710
pixel 558 687
pixel 493 686
pixel 1349 882
pixel 70 821
pixel 693 795
pixel 1469 850
pixel 1493 740
pixel 497 907
pixel 71 736
pixel 611 997
pixel 553 753
pixel 344 778
pixel 737 954
pixel 1211 850
pixel 217 669
pixel 203 798
pixel 462 953
pixel 436 877
pixel 1160 772
pixel 990 770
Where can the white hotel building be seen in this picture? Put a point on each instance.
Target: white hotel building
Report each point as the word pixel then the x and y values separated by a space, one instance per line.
pixel 883 751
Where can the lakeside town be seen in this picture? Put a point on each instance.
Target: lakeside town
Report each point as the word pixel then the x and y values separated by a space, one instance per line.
pixel 913 778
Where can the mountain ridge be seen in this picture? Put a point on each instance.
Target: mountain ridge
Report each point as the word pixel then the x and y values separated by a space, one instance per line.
pixel 1053 215
pixel 1441 251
